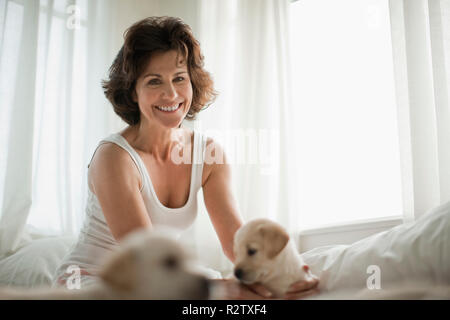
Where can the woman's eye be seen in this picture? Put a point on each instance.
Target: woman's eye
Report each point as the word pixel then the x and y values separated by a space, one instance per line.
pixel 251 252
pixel 178 79
pixel 154 81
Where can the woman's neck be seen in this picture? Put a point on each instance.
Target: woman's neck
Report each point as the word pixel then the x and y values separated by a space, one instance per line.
pixel 156 140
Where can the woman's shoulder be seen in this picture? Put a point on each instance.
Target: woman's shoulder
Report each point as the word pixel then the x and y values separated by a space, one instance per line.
pixel 110 153
pixel 215 158
pixel 113 148
pixel 110 162
pixel 215 152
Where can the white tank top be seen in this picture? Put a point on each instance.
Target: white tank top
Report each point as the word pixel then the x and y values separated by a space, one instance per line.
pixel 95 239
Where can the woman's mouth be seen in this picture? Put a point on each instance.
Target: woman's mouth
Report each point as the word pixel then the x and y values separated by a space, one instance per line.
pixel 169 109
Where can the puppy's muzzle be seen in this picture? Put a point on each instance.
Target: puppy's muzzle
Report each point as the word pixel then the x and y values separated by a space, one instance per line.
pixel 246 276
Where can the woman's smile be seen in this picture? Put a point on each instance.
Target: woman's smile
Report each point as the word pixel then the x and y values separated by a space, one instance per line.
pixel 164 91
pixel 169 109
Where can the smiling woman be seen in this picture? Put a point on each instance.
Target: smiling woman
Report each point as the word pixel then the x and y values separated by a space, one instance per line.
pixel 149 38
pixel 155 82
pixel 165 91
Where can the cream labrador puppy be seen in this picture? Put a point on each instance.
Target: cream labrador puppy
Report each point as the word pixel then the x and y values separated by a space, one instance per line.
pixel 265 254
pixel 147 265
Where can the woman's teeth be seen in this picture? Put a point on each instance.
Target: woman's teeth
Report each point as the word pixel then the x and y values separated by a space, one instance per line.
pixel 168 109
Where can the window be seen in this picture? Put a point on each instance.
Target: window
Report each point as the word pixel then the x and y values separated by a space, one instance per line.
pixel 347 148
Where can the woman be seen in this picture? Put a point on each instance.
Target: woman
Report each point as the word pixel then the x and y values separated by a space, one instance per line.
pixel 136 178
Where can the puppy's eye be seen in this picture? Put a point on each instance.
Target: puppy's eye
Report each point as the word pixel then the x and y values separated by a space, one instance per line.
pixel 170 263
pixel 251 251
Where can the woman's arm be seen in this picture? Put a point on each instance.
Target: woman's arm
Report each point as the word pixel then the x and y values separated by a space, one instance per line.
pixel 219 200
pixel 115 180
pixel 225 218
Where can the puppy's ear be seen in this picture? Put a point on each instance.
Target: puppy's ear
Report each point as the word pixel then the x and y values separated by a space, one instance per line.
pixel 120 270
pixel 275 239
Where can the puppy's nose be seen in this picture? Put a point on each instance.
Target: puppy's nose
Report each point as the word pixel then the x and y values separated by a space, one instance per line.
pixel 238 273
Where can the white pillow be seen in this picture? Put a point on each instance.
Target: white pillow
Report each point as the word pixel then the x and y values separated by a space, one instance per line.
pixel 34 264
pixel 414 252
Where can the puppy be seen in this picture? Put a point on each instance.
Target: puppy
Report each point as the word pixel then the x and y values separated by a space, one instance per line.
pixel 147 265
pixel 265 253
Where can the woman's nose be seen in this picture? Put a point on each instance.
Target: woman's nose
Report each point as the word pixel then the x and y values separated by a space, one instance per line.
pixel 169 92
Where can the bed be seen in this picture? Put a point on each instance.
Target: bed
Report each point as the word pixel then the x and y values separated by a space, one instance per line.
pixel 410 253
pixel 34 264
pixel 408 257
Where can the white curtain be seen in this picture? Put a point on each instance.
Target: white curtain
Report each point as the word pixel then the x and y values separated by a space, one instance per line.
pixel 246 48
pixel 421 44
pixel 53 113
pixel 53 55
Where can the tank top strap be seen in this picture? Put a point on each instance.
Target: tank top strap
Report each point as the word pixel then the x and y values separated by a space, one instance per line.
pixel 119 140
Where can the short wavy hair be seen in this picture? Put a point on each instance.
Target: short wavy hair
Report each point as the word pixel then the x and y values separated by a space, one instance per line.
pixel 142 39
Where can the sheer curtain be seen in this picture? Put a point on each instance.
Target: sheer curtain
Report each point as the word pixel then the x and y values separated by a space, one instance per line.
pixel 421 44
pixel 17 85
pixel 246 49
pixel 52 112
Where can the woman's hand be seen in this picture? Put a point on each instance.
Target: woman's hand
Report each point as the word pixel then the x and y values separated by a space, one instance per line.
pixel 297 290
pixel 261 291
pixel 303 288
pixel 234 290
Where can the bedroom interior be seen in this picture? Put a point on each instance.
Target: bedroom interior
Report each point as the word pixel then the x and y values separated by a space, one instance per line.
pixel 336 115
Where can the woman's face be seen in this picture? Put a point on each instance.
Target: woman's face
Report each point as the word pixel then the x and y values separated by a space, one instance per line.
pixel 164 90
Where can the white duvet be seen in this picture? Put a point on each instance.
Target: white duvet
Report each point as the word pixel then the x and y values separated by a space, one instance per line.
pixel 408 253
pixel 34 264
pixel 411 253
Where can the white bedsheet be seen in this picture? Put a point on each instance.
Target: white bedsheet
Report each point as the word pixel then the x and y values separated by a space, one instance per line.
pixel 412 253
pixel 417 252
pixel 34 264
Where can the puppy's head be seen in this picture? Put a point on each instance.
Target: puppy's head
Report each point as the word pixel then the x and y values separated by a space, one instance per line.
pixel 151 264
pixel 256 247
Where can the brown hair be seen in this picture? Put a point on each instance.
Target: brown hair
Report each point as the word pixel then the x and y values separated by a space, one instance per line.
pixel 142 39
